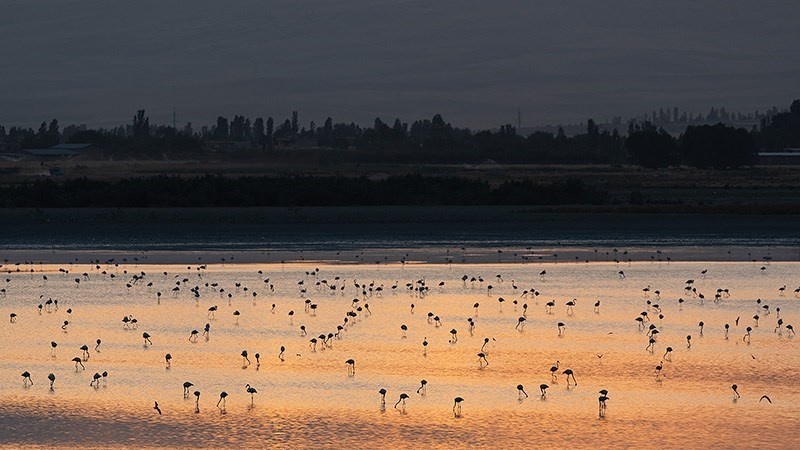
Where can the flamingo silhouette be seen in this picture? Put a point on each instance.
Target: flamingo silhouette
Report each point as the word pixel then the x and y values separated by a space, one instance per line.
pixel 457 406
pixel 251 390
pixel 554 370
pixel 402 400
pixel 382 391
pixel 569 374
pixel 223 396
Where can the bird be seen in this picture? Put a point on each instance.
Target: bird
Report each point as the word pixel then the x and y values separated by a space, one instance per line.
pixel 764 397
pixel 157 408
pixel 382 391
pixel 26 378
pixel 251 390
pixel 521 391
pixel 423 387
pixel 554 370
pixel 735 390
pixel 402 400
pixel 543 389
pixel 602 404
pixel 457 406
pixel 351 366
pixel 186 386
pixel 52 379
pixel 222 399
pixel 569 374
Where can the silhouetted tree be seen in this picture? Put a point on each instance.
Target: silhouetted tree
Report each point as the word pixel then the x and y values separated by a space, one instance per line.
pixel 592 136
pixel 651 147
pixel 141 124
pixel 717 146
pixel 258 132
pixel 781 130
pixel 221 132
pixel 240 129
pixel 270 133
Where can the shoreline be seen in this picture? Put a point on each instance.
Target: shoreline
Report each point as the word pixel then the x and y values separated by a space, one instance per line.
pixel 27 260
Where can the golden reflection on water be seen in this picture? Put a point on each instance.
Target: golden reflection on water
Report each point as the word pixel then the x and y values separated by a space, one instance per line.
pixel 309 400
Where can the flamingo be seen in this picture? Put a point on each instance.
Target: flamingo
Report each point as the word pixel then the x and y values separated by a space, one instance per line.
pixel 569 374
pixel 602 404
pixel 222 399
pixel 402 400
pixel 554 370
pixel 186 386
pixel 251 390
pixel 457 406
pixel 382 391
pixel 735 390
pixel 521 391
pixel 571 305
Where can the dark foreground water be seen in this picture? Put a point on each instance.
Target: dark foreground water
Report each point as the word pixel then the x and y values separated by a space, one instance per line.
pixel 344 229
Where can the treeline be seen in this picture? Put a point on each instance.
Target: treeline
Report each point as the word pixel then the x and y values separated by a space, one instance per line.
pixel 219 191
pixel 430 141
pixel 712 146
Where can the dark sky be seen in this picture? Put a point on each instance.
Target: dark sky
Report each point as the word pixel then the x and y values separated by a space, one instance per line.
pixel 474 61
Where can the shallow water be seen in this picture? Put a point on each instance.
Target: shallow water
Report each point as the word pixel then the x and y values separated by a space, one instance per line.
pixel 308 400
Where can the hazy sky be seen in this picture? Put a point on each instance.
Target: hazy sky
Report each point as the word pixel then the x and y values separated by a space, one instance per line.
pixel 474 61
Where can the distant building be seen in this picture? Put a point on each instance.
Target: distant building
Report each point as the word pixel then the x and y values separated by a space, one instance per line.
pixel 786 157
pixel 74 147
pixel 49 153
pixel 61 152
pixel 227 146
